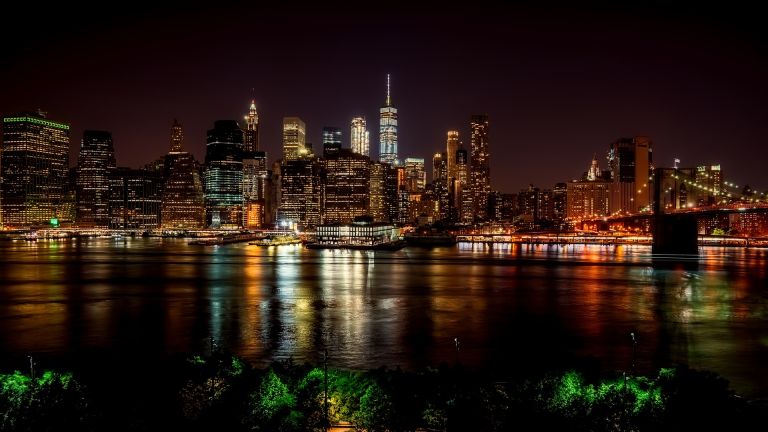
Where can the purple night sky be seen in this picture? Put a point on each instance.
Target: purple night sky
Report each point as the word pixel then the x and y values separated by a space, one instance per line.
pixel 558 84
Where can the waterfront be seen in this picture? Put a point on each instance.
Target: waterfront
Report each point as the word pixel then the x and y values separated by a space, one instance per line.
pixel 136 301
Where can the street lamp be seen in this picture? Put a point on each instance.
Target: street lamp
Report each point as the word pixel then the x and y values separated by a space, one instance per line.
pixel 634 351
pixel 456 341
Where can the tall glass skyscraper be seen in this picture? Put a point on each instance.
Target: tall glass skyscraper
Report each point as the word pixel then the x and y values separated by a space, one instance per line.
pixel 96 160
pixel 388 130
pixel 360 138
pixel 224 175
pixel 480 165
pixel 331 141
pixel 34 168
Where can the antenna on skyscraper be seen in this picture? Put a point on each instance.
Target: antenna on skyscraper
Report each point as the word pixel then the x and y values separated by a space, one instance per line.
pixel 389 98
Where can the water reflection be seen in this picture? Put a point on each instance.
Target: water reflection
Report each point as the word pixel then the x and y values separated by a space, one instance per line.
pixel 522 306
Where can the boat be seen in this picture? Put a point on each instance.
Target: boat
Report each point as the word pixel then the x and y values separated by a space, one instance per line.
pixel 278 240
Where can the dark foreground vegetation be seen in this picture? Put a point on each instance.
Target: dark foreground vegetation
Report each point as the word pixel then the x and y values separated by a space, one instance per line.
pixel 223 392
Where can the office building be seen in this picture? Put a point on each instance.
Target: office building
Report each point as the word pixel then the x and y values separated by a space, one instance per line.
pixel 34 163
pixel 480 166
pixel 94 163
pixel 388 130
pixel 224 175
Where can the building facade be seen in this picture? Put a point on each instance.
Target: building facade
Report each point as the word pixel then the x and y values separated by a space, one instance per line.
pixel 388 130
pixel 224 175
pixel 34 164
pixel 94 164
pixel 294 138
pixel 630 161
pixel 480 166
pixel 346 187
pixel 360 137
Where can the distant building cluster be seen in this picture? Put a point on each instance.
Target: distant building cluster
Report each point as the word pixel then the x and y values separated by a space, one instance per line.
pixel 236 187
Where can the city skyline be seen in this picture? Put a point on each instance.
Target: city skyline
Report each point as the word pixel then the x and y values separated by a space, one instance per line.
pixel 566 80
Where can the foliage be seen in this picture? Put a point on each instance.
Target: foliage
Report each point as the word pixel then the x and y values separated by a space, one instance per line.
pixel 51 402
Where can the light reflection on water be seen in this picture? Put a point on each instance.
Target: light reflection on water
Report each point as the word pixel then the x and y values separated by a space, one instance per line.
pixel 511 306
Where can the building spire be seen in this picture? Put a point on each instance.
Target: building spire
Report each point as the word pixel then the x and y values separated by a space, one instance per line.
pixel 388 102
pixel 177 137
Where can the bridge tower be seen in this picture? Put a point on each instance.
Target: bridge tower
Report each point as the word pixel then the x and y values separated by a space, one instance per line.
pixel 673 234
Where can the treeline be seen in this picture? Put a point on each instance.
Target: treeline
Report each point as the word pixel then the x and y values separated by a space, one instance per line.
pixel 223 392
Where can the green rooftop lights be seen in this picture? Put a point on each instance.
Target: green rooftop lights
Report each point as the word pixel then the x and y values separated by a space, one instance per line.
pixel 36 121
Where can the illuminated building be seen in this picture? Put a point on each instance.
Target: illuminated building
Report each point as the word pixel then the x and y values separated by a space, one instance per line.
pixel 360 137
pixel 255 184
pixel 629 160
pixel 362 232
pixel 710 180
pixel 451 147
pixel 346 186
pixel 529 203
pixel 377 188
pixel 300 192
pixel 33 167
pixel 183 204
pixel 294 138
pixel 331 141
pixel 177 137
pixel 440 185
pixel 559 202
pixel 96 160
pixel 415 174
pixel 134 198
pixel 480 166
pixel 224 175
pixel 388 130
pixel 462 192
pixel 501 206
pixel 587 199
pixel 251 132
pixel 384 192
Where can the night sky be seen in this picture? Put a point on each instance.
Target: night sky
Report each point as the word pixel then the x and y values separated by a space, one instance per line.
pixel 559 84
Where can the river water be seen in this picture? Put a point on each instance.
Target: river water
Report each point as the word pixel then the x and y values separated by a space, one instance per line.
pixel 135 300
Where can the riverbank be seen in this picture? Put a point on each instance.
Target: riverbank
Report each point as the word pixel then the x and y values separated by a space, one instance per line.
pixel 223 392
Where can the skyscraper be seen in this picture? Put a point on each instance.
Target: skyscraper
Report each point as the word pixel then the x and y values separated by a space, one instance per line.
pixel 331 141
pixel 440 185
pixel 346 186
pixel 183 204
pixel 451 146
pixel 33 167
pixel 300 194
pixel 480 166
pixel 710 177
pixel 415 175
pixel 177 137
pixel 134 198
pixel 359 136
pixel 388 130
pixel 255 183
pixel 462 191
pixel 224 175
pixel 294 138
pixel 96 160
pixel 629 160
pixel 251 132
